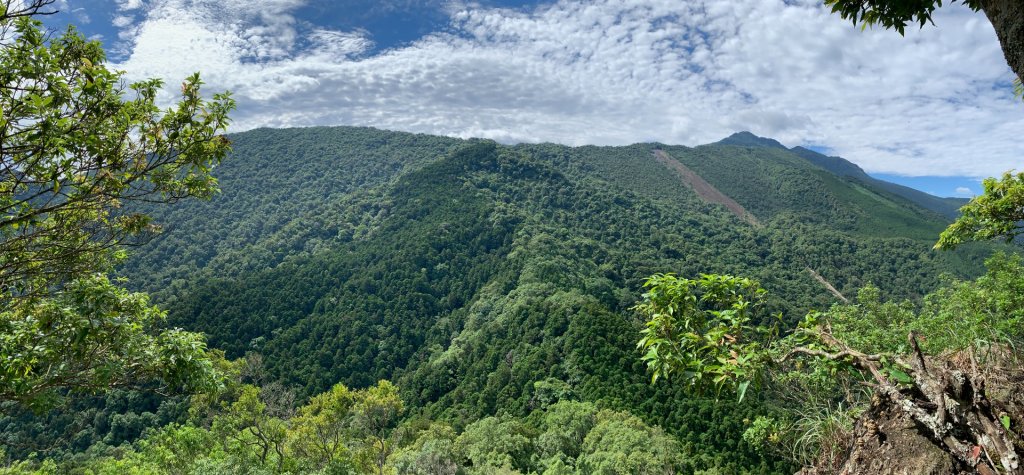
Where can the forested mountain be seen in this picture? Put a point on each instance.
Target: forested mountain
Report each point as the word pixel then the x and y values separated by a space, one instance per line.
pixel 491 280
pixel 290 193
pixel 948 207
pixel 472 273
pixel 359 301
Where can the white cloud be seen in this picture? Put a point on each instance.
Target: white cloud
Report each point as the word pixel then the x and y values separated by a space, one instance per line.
pixel 936 102
pixel 122 21
pixel 963 190
pixel 81 16
pixel 128 5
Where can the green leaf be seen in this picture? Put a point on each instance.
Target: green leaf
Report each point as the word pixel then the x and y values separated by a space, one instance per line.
pixel 1005 419
pixel 900 376
pixel 741 390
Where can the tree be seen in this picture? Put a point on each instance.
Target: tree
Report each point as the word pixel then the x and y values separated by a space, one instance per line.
pixel 375 412
pixel 701 329
pixel 320 429
pixel 75 150
pixel 77 146
pixel 177 449
pixel 247 428
pixel 622 444
pixel 433 453
pixel 874 343
pixel 94 336
pixel 1007 17
pixel 998 213
pixel 566 425
pixel 494 443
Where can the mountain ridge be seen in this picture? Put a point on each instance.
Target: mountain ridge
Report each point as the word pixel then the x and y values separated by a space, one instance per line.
pixel 469 271
pixel 947 207
pixel 747 139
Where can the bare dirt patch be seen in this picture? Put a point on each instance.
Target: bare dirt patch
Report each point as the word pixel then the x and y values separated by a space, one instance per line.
pixel 827 284
pixel 705 190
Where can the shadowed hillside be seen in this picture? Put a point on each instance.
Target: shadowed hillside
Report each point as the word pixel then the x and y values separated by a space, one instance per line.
pixel 467 271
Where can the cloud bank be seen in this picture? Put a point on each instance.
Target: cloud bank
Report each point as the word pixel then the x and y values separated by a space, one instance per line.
pixel 936 102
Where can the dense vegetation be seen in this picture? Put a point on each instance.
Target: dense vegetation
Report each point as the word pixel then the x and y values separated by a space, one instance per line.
pixel 946 374
pixel 78 146
pixel 496 285
pixel 481 278
pixel 808 418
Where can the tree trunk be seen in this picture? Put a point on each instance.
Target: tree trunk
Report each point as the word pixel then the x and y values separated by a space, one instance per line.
pixel 1007 17
pixel 947 406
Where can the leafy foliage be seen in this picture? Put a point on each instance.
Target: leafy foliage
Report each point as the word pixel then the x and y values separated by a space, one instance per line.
pixel 621 443
pixel 701 329
pixel 76 146
pixel 492 281
pixel 467 271
pixel 959 315
pixel 93 336
pixel 255 433
pixel 850 343
pixel 888 13
pixel 997 213
pixel 75 150
pixel 320 427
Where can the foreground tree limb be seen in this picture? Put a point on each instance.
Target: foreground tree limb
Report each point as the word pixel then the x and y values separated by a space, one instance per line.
pixel 698 331
pixel 950 404
pixel 78 144
pixel 1006 16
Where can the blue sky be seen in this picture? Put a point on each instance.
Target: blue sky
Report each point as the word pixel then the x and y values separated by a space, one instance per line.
pixel 945 186
pixel 936 103
pixel 391 24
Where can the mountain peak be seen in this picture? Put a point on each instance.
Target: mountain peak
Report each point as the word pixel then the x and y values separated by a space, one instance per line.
pixel 747 139
pixel 838 165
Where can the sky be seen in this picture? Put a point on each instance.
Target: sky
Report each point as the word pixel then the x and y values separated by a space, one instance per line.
pixel 934 108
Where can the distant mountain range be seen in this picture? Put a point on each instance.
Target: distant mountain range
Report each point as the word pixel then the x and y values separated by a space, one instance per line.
pixel 948 207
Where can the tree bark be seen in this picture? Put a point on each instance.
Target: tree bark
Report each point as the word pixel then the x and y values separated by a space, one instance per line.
pixel 950 406
pixel 1007 17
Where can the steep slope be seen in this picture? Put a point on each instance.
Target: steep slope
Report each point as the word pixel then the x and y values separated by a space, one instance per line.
pixel 469 271
pixel 704 189
pixel 774 183
pixel 948 207
pixel 285 193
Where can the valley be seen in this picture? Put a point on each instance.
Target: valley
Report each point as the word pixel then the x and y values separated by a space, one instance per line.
pixel 467 272
pixel 464 238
